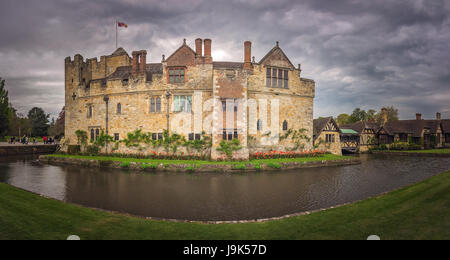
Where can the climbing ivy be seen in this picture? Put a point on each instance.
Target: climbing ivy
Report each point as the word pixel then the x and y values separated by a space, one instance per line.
pixel 228 147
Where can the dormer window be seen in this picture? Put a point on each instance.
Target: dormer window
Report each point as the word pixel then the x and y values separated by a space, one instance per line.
pixel 277 78
pixel 176 75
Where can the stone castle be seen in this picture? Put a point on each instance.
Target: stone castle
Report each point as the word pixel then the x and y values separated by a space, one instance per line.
pixel 191 95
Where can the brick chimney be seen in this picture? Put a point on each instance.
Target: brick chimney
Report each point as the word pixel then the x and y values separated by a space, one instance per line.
pixel 438 116
pixel 143 61
pixel 207 50
pixel 384 115
pixel 418 116
pixel 135 62
pixel 247 55
pixel 139 61
pixel 198 47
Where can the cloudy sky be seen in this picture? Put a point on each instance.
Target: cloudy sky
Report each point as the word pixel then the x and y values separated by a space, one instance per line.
pixel 361 53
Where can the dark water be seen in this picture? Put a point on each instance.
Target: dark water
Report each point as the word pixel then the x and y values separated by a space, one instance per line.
pixel 219 196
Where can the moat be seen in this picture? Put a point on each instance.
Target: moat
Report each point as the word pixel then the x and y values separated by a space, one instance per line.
pixel 219 196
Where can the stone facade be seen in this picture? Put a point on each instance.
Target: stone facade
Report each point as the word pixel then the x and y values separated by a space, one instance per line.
pixel 327 135
pixel 189 93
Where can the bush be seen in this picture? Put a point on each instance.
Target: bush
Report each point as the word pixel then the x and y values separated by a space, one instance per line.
pixel 73 149
pixel 399 146
pixel 149 166
pixel 258 167
pixel 274 165
pixel 92 150
pixel 240 166
pixel 382 147
pixel 125 164
pixel 191 168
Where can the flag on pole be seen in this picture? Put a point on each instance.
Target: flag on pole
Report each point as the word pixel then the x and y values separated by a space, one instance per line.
pixel 120 24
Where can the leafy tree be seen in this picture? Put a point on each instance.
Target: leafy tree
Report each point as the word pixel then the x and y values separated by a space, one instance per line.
pixel 19 124
pixel 5 112
pixel 343 119
pixel 39 121
pixel 371 114
pixel 57 128
pixel 392 114
pixel 358 115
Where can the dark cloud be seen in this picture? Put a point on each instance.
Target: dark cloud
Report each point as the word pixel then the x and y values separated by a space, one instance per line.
pixel 364 54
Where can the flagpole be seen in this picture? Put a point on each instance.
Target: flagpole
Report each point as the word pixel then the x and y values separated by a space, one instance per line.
pixel 116 34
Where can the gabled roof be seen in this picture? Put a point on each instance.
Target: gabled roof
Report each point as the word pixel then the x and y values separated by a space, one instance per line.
pixel 119 52
pixel 321 123
pixel 276 51
pixel 184 45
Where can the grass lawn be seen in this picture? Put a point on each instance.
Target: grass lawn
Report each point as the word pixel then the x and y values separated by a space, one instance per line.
pixel 436 151
pixel 420 211
pixel 200 162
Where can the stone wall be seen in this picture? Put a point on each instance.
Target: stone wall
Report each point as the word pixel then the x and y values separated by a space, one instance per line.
pixel 207 85
pixel 334 148
pixel 26 149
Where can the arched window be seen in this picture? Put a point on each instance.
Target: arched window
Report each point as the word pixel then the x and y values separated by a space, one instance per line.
pixel 285 125
pixel 119 109
pixel 92 135
pixel 259 125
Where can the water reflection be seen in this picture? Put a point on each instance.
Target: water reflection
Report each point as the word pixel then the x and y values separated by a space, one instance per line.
pixel 219 196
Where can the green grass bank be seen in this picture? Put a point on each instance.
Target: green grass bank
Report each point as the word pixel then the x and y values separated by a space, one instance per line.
pixel 419 211
pixel 199 165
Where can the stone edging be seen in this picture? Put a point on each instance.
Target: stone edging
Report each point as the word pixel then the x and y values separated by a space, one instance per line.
pixel 413 154
pixel 198 168
pixel 9 150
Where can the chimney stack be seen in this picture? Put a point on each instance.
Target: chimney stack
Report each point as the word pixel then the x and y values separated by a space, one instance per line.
pixel 207 50
pixel 135 62
pixel 438 116
pixel 418 116
pixel 198 47
pixel 139 61
pixel 384 115
pixel 247 55
pixel 143 61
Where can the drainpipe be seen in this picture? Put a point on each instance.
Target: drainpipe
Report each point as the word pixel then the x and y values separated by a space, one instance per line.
pixel 106 99
pixel 168 95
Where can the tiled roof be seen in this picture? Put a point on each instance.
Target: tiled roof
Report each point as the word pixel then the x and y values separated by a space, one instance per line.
pixel 446 125
pixel 125 71
pixel 227 65
pixel 319 124
pixel 414 127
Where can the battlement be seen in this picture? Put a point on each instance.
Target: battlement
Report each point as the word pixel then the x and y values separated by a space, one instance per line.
pixel 80 71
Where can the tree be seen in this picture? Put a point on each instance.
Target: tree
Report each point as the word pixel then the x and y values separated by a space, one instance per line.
pixel 5 112
pixel 371 114
pixel 358 115
pixel 392 114
pixel 343 119
pixel 39 121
